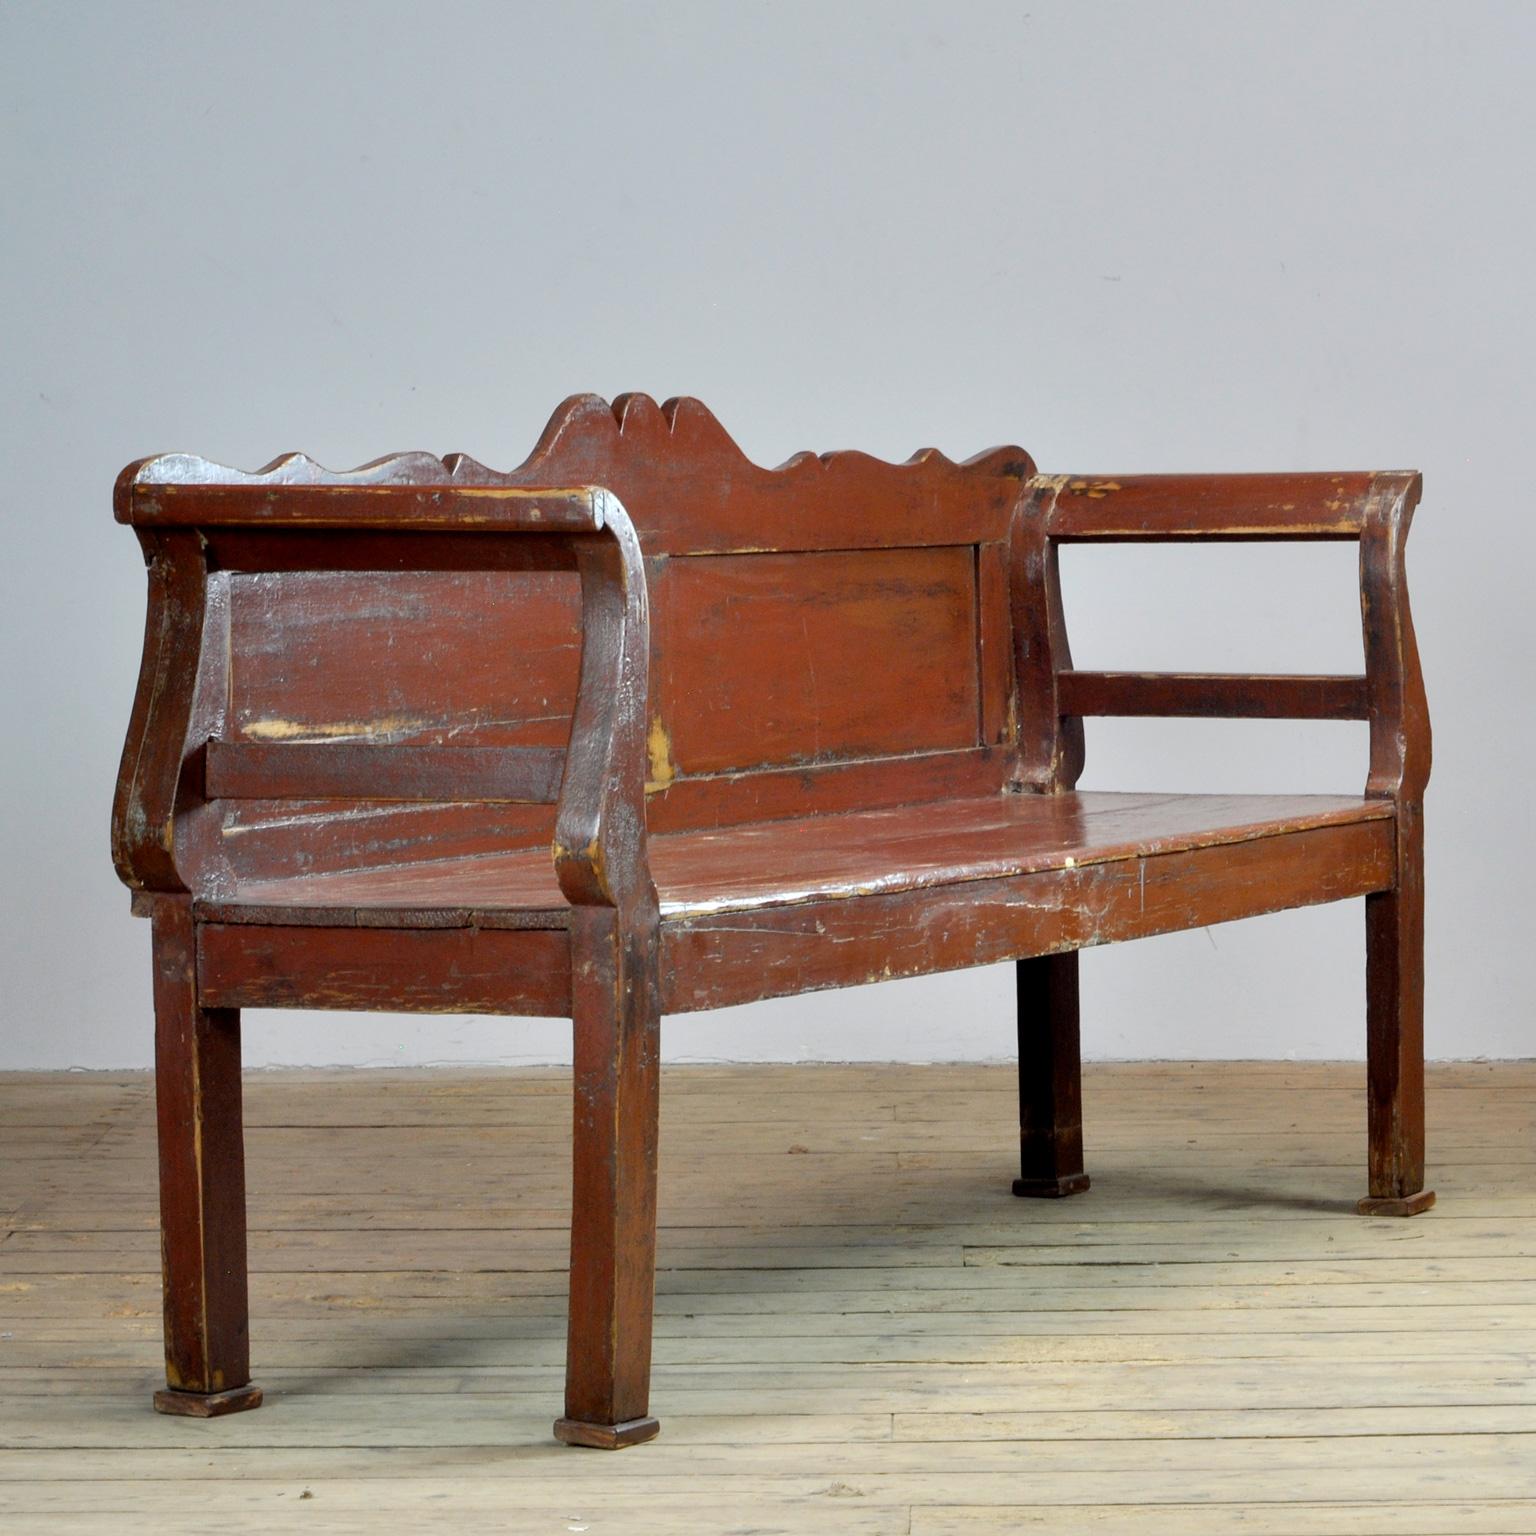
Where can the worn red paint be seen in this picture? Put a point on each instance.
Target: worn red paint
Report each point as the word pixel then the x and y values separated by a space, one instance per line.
pixel 641 725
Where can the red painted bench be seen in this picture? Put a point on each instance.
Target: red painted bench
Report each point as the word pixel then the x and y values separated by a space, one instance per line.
pixel 781 729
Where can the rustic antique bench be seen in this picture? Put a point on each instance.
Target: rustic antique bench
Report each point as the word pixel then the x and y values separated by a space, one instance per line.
pixel 638 728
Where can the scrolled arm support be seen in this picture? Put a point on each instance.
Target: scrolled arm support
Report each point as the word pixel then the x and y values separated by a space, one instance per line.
pixel 154 786
pixel 600 846
pixel 1051 747
pixel 1399 709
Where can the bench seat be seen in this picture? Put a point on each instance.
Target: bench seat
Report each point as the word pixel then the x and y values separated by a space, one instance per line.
pixel 853 854
pixel 771 909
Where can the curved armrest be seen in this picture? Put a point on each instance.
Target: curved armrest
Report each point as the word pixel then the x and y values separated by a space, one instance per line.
pixel 409 491
pixel 1375 508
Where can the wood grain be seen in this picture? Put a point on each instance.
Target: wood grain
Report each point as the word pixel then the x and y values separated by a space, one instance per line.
pixel 367 771
pixel 492 970
pixel 769 660
pixel 834 856
pixel 470 658
pixel 414 1368
pixel 1208 507
pixel 711 961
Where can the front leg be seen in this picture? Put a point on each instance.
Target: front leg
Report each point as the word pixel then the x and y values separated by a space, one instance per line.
pixel 202 1182
pixel 615 997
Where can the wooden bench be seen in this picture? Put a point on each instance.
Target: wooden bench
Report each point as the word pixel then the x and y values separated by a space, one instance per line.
pixel 638 728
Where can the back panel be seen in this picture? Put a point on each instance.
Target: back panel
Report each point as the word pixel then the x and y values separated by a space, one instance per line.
pixel 772 660
pixel 461 657
pixel 832 632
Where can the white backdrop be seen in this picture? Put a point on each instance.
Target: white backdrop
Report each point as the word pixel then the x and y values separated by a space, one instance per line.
pixel 1182 236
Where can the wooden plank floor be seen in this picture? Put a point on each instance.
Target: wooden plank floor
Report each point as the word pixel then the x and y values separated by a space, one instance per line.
pixel 859 1329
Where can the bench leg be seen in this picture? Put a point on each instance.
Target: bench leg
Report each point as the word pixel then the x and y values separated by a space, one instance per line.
pixel 613 1208
pixel 202 1182
pixel 1050 1078
pixel 1394 981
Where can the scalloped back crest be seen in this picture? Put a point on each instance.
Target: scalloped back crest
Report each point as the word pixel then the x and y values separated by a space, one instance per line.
pixel 690 489
pixel 685 483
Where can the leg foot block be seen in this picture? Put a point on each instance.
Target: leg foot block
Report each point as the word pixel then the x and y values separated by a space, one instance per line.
pixel 1393 1205
pixel 606 1437
pixel 207 1405
pixel 1051 1189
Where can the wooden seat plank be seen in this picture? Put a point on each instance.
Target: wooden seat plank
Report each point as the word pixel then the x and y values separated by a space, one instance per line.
pixel 779 863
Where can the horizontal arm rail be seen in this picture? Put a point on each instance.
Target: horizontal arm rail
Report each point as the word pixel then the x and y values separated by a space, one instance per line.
pixel 1227 695
pixel 153 503
pixel 1116 508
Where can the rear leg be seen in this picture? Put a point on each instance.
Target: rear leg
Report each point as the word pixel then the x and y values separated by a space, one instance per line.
pixel 1394 987
pixel 1050 1078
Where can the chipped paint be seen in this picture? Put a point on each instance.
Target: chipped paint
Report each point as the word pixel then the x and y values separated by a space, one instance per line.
pixel 658 753
pixel 592 856
pixel 334 730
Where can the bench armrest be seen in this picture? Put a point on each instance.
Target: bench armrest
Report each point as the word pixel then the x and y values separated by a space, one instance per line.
pixel 1375 508
pixel 409 492
pixel 195 519
pixel 1129 508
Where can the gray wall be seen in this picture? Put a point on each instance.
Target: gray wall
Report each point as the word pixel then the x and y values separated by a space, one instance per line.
pixel 1176 236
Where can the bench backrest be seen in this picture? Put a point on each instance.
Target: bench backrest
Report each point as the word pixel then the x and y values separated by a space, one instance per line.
pixel 834 632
